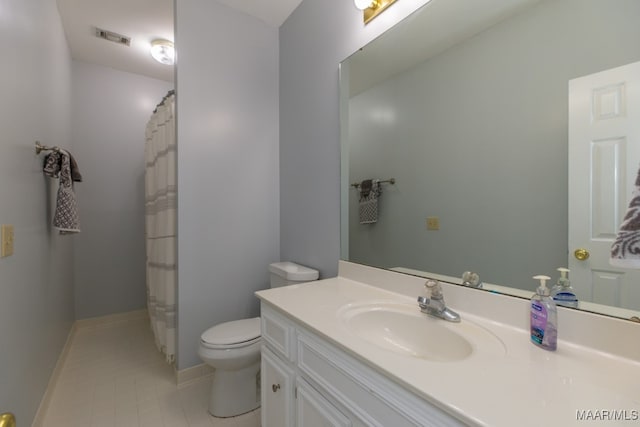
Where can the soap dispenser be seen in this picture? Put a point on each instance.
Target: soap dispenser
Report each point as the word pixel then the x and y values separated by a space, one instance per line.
pixel 562 293
pixel 544 317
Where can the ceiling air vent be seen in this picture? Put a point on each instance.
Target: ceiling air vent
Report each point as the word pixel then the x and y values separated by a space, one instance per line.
pixel 113 37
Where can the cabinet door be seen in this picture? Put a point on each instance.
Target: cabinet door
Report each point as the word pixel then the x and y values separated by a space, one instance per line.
pixel 313 410
pixel 276 391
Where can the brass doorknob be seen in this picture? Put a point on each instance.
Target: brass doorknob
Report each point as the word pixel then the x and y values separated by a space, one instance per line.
pixel 7 420
pixel 581 254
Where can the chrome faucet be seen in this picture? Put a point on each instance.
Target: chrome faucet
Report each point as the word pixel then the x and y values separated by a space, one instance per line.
pixel 434 305
pixel 471 279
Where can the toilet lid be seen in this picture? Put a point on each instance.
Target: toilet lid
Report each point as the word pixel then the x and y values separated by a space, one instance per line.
pixel 234 332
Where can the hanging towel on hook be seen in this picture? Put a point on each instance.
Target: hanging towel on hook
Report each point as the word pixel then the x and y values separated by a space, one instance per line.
pixel 370 190
pixel 75 172
pixel 625 251
pixel 58 165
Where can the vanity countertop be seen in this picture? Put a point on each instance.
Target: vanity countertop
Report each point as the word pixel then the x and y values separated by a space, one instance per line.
pixel 525 385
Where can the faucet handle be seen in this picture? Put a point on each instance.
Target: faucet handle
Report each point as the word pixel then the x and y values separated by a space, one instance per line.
pixel 434 304
pixel 434 288
pixel 469 278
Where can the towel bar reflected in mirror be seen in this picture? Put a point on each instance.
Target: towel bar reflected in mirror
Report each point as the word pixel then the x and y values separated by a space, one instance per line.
pixel 390 181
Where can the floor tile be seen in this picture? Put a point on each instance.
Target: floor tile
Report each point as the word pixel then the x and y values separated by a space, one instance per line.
pixel 114 376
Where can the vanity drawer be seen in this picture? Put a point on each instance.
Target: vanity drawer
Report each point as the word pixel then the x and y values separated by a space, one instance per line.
pixel 369 396
pixel 277 332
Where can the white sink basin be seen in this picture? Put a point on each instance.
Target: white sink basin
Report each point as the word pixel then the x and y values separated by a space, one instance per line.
pixel 404 329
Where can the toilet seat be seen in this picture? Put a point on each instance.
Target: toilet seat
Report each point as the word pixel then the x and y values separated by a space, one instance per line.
pixel 229 346
pixel 234 334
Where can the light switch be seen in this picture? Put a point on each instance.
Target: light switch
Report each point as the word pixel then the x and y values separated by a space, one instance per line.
pixel 7 240
pixel 433 223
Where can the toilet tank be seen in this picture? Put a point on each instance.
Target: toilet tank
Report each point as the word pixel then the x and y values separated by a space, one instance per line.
pixel 289 273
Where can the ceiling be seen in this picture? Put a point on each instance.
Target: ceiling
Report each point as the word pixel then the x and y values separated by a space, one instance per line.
pixel 142 21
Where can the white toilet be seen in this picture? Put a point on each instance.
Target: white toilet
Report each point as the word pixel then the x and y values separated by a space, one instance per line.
pixel 233 350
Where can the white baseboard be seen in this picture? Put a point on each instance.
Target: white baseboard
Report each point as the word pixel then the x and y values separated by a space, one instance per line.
pixel 100 321
pixel 185 376
pixel 57 370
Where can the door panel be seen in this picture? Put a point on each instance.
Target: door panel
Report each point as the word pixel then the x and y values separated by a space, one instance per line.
pixel 277 391
pixel 604 155
pixel 313 410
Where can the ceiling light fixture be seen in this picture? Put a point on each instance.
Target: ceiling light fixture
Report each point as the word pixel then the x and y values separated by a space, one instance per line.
pixel 163 51
pixel 372 8
pixel 362 4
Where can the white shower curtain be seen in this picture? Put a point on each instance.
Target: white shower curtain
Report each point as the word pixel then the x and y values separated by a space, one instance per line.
pixel 160 227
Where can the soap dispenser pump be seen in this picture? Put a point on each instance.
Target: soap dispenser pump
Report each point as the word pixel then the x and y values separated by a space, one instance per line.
pixel 562 293
pixel 544 317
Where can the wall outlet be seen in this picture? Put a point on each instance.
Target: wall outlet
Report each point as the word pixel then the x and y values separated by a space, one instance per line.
pixel 433 223
pixel 7 240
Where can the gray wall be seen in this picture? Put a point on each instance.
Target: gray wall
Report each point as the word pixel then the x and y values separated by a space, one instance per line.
pixel 477 136
pixel 227 106
pixel 315 38
pixel 36 292
pixel 110 110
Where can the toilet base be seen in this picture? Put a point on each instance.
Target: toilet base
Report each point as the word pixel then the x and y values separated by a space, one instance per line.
pixel 235 392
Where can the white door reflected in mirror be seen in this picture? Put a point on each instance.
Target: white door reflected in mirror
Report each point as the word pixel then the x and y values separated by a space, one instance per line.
pixel 604 154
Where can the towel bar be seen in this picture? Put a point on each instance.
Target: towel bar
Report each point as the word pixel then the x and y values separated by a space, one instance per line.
pixel 390 181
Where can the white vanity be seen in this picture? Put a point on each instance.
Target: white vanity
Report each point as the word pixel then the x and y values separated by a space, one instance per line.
pixel 355 350
pixel 308 381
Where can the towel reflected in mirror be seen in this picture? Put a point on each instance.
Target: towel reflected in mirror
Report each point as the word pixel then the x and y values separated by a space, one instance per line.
pixel 370 190
pixel 625 252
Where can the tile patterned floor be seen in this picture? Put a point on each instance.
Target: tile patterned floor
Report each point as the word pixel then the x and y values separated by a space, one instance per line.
pixel 115 376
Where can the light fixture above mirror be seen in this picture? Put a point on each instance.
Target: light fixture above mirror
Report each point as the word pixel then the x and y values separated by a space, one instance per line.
pixel 372 8
pixel 163 51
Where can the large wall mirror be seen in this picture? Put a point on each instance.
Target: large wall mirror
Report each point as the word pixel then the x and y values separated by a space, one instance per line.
pixel 466 106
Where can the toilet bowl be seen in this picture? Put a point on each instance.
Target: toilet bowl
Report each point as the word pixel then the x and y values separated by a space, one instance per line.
pixel 233 350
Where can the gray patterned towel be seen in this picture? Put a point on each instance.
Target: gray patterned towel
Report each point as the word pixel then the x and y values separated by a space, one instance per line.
pixel 370 191
pixel 625 251
pixel 58 164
